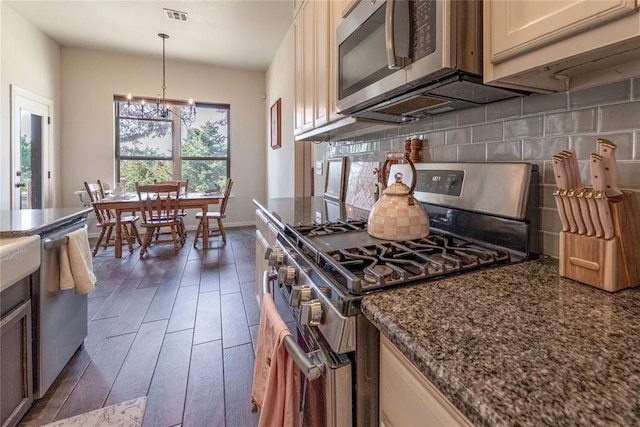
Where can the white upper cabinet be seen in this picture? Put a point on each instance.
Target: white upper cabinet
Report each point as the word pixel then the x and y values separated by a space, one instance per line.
pixel 314 63
pixel 304 66
pixel 554 45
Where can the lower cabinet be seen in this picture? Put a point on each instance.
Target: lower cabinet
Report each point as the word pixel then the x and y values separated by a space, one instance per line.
pixel 407 398
pixel 16 362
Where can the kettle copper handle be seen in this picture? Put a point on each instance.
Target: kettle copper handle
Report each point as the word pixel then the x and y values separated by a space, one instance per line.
pixel 399 155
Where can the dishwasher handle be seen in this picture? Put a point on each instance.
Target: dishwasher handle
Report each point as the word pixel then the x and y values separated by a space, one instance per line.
pixel 310 368
pixel 54 243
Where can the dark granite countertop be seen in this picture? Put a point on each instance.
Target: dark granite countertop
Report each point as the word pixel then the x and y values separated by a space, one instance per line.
pixel 521 346
pixel 305 210
pixel 17 223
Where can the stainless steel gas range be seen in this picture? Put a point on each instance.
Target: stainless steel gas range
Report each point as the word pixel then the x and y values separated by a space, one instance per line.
pixel 482 215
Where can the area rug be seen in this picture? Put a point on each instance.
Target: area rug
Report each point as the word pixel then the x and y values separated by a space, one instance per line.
pixel 123 414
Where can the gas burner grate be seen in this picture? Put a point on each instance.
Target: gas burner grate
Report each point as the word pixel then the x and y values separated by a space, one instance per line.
pixel 340 226
pixel 382 265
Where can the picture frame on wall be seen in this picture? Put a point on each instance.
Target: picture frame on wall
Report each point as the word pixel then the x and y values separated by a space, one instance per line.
pixel 334 178
pixel 276 124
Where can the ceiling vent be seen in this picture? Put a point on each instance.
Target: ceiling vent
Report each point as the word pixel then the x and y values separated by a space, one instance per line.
pixel 176 15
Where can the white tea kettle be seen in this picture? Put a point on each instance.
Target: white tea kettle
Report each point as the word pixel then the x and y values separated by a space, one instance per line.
pixel 397 215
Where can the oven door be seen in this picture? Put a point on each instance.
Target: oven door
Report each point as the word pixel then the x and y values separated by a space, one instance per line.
pixel 366 67
pixel 327 380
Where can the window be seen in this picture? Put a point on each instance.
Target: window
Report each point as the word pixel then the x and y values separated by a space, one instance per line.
pixel 166 149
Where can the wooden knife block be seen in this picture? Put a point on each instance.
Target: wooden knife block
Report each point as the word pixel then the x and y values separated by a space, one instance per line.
pixel 612 264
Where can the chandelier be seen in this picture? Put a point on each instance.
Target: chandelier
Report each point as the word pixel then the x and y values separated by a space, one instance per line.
pixel 162 108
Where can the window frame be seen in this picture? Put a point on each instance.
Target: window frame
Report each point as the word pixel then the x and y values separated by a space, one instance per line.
pixel 176 136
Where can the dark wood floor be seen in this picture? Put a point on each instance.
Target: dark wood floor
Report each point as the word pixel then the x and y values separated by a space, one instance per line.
pixel 178 328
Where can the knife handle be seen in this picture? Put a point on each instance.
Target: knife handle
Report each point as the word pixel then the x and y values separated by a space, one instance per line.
pixel 607 149
pixel 560 172
pixel 605 213
pixel 586 215
pixel 577 212
pixel 561 212
pixel 574 170
pixel 573 226
pixel 593 212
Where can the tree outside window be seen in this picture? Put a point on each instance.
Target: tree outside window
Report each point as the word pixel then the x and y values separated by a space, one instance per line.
pixel 166 149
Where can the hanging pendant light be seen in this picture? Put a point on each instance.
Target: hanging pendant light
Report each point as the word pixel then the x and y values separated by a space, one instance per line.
pixel 162 109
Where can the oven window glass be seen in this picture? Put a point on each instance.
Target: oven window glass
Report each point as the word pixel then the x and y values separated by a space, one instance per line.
pixel 363 57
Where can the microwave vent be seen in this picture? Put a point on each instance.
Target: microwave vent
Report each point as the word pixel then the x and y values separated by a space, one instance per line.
pixel 414 104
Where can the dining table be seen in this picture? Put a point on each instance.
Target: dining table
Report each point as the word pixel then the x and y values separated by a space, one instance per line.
pixel 131 203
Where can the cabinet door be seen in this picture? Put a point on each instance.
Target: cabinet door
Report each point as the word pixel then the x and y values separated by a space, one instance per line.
pixel 298 59
pixel 308 58
pixel 16 387
pixel 336 11
pixel 304 67
pixel 520 26
pixel 322 59
pixel 407 398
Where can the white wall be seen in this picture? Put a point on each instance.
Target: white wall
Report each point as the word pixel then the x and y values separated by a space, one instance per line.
pixel 285 173
pixel 91 78
pixel 31 61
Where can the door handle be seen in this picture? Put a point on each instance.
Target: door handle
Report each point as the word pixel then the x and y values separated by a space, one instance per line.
pixel 21 184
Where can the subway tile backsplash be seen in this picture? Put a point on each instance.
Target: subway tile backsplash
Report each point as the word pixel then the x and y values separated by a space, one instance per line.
pixel 532 129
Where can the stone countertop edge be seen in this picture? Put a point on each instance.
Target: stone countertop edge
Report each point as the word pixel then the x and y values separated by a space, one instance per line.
pixel 520 345
pixel 37 221
pixel 272 215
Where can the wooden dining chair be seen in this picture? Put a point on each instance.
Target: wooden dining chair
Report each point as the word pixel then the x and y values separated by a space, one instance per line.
pixel 160 210
pixel 107 221
pixel 218 216
pixel 184 188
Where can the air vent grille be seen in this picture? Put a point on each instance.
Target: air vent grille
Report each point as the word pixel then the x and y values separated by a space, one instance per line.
pixel 176 15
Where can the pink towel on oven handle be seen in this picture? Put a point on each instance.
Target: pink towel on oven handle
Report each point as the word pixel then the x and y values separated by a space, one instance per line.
pixel 276 378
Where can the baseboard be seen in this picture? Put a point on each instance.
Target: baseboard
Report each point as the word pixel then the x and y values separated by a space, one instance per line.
pixel 193 228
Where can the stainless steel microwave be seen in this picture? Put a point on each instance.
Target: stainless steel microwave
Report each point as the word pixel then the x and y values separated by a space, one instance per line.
pixel 401 60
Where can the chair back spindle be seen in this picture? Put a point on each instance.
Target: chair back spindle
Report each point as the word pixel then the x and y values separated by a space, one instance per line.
pixel 159 201
pixel 160 209
pixel 225 200
pixel 107 219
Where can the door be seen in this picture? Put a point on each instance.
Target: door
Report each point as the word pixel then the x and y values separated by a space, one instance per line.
pixel 30 139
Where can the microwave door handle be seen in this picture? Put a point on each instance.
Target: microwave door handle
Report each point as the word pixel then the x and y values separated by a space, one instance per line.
pixel 397 44
pixel 309 368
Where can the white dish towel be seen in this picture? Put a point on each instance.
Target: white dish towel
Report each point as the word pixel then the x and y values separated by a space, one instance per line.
pixel 76 263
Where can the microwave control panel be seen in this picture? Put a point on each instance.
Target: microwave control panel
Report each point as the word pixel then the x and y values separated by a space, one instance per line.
pixel 423 22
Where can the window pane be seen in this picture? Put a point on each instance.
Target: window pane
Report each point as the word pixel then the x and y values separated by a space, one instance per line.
pixel 148 138
pixel 145 171
pixel 204 175
pixel 208 136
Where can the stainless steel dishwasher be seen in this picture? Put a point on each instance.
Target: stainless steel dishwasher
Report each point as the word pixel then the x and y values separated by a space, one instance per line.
pixel 59 317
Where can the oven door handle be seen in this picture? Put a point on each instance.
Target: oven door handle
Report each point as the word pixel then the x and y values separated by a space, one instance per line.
pixel 309 368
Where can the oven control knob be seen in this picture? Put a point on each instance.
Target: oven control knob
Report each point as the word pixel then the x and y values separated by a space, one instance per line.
pixel 299 294
pixel 310 313
pixel 286 275
pixel 276 258
pixel 292 253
